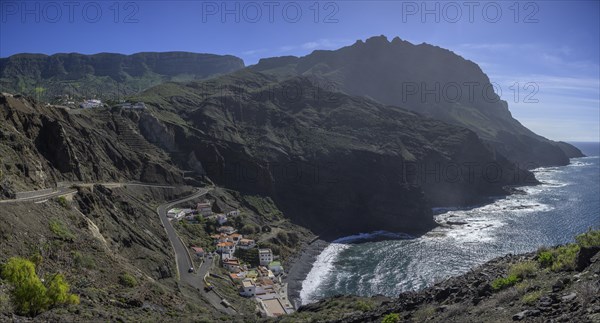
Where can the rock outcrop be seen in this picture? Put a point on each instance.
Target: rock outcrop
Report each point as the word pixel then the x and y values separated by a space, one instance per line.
pixel 44 145
pixel 431 81
pixel 334 163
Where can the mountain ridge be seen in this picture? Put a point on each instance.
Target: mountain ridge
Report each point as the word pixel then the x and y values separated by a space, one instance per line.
pixel 403 74
pixel 106 75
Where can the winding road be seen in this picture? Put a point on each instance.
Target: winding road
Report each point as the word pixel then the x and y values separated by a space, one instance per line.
pixel 183 260
pixel 48 193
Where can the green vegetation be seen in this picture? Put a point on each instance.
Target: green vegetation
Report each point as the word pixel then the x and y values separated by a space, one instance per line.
pixel 263 206
pixel 391 318
pixel 560 258
pixel 364 306
pixel 523 270
pixel 589 239
pixel 249 256
pixel 545 258
pixel 29 295
pixel 62 201
pixel 83 261
pixel 127 280
pixel 59 229
pixel 197 234
pixel 504 282
pixel 531 298
pixel 423 314
pixel 565 257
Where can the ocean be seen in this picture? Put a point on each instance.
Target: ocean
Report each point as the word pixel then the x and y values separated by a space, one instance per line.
pixel 567 203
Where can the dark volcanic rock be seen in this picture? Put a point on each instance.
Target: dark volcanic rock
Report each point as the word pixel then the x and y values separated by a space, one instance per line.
pixel 334 163
pixel 417 77
pixel 50 145
pixel 585 255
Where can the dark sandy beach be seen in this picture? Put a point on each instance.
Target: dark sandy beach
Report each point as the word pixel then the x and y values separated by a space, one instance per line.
pixel 299 267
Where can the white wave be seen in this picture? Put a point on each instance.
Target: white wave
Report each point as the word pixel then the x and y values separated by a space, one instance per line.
pixel 579 164
pixel 372 236
pixel 321 268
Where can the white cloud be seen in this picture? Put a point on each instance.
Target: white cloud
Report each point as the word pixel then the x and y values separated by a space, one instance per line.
pixel 253 52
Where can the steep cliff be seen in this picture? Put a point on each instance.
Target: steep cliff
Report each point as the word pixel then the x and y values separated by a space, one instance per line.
pixel 335 163
pixel 430 80
pixel 43 145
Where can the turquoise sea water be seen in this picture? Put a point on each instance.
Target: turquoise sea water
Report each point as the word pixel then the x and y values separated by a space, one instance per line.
pixel 565 204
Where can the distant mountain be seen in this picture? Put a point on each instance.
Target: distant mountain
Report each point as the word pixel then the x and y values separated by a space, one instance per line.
pixel 106 75
pixel 429 80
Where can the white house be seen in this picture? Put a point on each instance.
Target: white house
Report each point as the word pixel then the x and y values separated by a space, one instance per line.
pixel 235 238
pixel 198 251
pixel 265 256
pixel 226 229
pixel 275 267
pixel 233 213
pixel 248 288
pixel 226 247
pixel 88 104
pixel 246 244
pixel 231 264
pixel 175 213
pixel 204 209
pixel 221 218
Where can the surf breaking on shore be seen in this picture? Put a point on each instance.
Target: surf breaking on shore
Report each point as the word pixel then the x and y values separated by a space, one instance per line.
pixel 470 234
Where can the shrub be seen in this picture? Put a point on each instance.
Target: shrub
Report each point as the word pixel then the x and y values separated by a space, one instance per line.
pixel 62 201
pixel 249 256
pixel 523 269
pixel 423 314
pixel 58 291
pixel 36 258
pixel 503 282
pixel 391 318
pixel 566 257
pixel 531 298
pixel 59 229
pixel 589 239
pixel 30 296
pixel 363 306
pixel 127 280
pixel 545 258
pixel 84 261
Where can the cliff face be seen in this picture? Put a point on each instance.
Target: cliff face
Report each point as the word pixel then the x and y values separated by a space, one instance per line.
pixel 44 145
pixel 429 80
pixel 106 75
pixel 336 164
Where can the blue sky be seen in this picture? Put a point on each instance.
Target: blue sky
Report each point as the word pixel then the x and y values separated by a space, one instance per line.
pixel 550 46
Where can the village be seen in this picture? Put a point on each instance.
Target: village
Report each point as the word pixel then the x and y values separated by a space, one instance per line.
pixel 255 272
pixel 67 101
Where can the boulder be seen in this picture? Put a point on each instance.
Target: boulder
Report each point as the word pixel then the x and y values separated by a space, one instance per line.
pixel 568 297
pixel 584 256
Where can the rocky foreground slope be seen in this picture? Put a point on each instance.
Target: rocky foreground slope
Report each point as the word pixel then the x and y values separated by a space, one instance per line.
pixel 560 284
